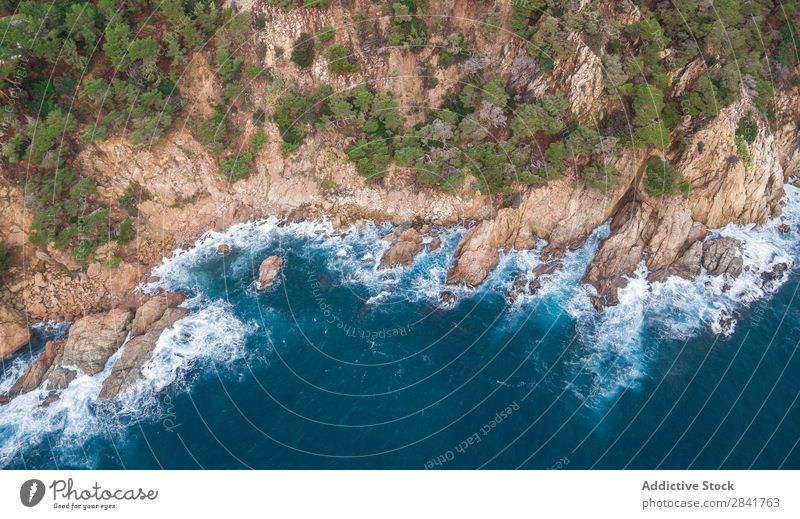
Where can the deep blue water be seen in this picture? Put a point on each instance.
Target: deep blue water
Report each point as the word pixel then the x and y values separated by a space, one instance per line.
pixel 345 366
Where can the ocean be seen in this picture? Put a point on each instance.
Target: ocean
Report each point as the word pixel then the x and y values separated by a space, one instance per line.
pixel 345 366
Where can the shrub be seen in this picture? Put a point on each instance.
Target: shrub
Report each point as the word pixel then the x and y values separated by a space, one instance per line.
pixel 326 34
pixel 546 115
pixel 662 179
pixel 258 140
pixel 743 152
pixel 602 177
pixel 133 195
pixel 582 141
pixel 338 57
pixel 214 130
pixel 303 51
pixel 703 99
pixel 747 129
pixel 235 167
pixel 407 30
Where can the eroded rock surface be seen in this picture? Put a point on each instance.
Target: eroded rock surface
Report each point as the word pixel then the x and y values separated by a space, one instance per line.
pixel 722 256
pixel 268 272
pixel 92 340
pixel 14 333
pixel 34 375
pixel 403 249
pixel 127 369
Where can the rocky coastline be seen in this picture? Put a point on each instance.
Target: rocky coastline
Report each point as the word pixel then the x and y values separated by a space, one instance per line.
pixel 187 197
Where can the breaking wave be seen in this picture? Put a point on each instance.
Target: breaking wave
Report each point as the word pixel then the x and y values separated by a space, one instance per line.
pixel 611 350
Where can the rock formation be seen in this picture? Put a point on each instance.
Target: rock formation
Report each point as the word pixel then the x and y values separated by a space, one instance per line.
pixel 91 342
pixel 403 249
pixel 721 256
pixel 127 369
pixel 14 332
pixel 269 271
pixel 94 339
pixel 34 375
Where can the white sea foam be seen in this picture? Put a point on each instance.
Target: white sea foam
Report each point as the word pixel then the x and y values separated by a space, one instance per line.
pixel 210 335
pixel 611 351
pixel 677 308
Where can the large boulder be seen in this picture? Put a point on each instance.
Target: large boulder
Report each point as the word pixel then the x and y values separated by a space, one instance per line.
pixel 127 370
pixel 14 333
pixel 152 310
pixel 402 250
pixel 34 375
pixel 91 342
pixel 722 256
pixel 269 271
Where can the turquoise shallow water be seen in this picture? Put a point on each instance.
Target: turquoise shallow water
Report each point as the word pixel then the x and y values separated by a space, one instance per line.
pixel 345 366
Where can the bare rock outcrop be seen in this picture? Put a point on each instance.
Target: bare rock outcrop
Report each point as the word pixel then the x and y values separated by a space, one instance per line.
pixel 722 256
pixel 724 189
pixel 127 369
pixel 91 342
pixel 557 212
pixel 268 271
pixel 14 333
pixel 153 309
pixel 662 228
pixel 403 249
pixel 34 375
pixel 786 128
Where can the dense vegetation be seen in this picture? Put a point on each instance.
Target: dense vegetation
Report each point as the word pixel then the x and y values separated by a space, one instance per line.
pixel 77 71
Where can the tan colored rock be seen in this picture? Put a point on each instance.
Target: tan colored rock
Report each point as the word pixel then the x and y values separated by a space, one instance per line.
pixel 584 80
pixel 661 227
pixel 403 249
pixel 557 212
pixel 435 243
pixel 786 129
pixel 34 375
pixel 153 309
pixel 127 369
pixel 723 190
pixel 269 271
pixel 91 342
pixel 478 251
pixel 14 333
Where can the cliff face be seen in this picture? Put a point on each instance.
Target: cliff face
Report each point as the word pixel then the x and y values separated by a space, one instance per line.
pixel 665 230
pixel 724 190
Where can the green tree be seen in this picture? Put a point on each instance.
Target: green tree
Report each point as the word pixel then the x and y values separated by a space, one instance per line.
pixel 661 179
pixel 303 50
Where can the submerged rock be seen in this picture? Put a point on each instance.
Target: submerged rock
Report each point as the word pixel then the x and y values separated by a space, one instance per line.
pixel 773 276
pixel 223 248
pixel 447 299
pixel 726 322
pixel 522 286
pixel 14 333
pixel 269 271
pixel 722 256
pixel 404 248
